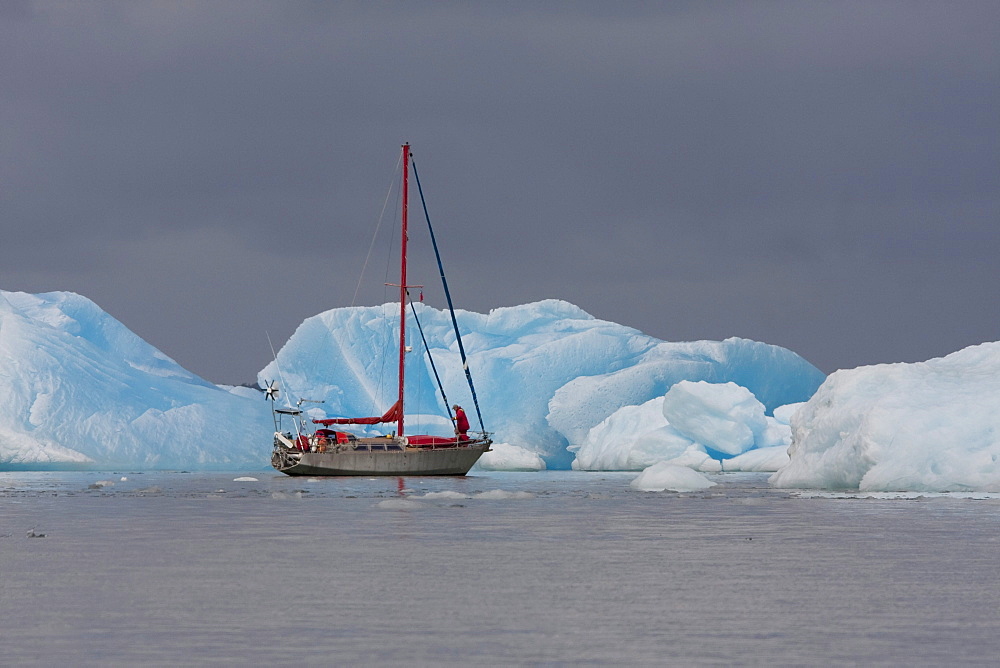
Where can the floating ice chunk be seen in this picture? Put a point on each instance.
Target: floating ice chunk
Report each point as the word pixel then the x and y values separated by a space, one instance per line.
pixel 664 476
pixel 399 504
pixel 507 457
pixel 931 426
pixel 245 479
pixel 447 494
pixel 502 494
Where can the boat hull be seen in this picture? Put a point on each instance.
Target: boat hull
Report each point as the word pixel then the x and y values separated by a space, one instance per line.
pixel 409 461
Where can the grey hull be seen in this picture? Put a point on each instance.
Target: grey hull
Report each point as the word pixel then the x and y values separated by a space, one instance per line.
pixel 444 461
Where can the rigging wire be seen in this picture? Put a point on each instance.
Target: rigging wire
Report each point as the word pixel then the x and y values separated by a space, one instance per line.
pixel 378 226
pixel 281 379
pixel 375 396
pixel 430 358
pixel 447 293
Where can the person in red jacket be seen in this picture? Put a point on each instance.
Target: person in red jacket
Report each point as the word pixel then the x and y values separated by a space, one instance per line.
pixel 461 423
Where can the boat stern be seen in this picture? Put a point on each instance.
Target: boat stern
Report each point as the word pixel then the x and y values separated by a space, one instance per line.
pixel 285 455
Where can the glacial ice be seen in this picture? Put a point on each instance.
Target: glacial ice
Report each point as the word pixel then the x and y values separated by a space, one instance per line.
pixel 932 426
pixel 81 389
pixel 630 439
pixel 545 373
pixel 783 414
pixel 723 417
pixel 759 460
pixel 554 383
pixel 695 424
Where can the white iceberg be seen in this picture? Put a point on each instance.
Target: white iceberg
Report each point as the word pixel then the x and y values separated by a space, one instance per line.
pixel 931 426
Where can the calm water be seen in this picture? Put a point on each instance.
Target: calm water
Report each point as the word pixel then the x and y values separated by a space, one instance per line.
pixel 184 568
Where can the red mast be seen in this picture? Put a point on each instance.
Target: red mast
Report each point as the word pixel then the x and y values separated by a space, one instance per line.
pixel 402 288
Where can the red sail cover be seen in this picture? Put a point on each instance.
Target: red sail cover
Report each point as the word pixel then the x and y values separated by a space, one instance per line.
pixel 392 415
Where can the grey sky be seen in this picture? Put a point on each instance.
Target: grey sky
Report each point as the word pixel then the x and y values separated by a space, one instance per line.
pixel 822 176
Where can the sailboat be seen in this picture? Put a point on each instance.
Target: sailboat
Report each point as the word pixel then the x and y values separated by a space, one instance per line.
pixel 327 451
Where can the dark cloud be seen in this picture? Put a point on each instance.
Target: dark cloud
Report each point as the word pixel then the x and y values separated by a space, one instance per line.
pixel 821 176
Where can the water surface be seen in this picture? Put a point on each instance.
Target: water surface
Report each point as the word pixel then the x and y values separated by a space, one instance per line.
pixel 491 569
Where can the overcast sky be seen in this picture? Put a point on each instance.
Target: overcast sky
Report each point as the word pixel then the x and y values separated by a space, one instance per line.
pixel 823 176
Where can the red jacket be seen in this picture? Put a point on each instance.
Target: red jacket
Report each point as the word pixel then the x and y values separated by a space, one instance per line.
pixel 461 421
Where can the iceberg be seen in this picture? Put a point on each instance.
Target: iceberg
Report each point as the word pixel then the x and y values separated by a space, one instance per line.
pixel 507 457
pixel 630 439
pixel 931 426
pixel 696 424
pixel 546 373
pixel 82 390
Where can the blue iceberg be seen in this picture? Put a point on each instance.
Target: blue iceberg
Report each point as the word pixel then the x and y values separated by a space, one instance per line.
pixel 80 389
pixel 546 372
